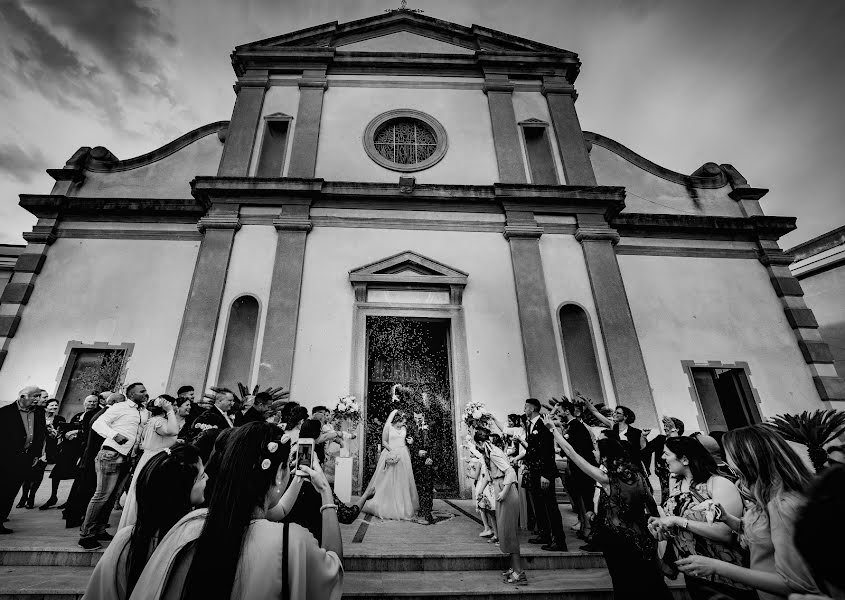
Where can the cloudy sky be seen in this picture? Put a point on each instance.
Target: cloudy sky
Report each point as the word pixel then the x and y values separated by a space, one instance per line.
pixel 754 83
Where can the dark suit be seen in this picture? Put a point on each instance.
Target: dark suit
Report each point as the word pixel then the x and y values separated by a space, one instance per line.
pixel 16 460
pixel 212 418
pixel 86 481
pixel 250 416
pixel 580 485
pixel 540 462
pixel 423 473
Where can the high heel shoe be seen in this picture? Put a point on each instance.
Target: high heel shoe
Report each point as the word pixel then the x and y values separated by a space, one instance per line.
pixel 517 578
pixel 485 533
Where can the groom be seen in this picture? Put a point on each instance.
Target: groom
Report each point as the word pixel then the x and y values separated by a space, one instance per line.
pixel 421 448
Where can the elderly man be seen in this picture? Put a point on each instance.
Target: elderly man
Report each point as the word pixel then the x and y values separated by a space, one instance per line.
pixel 121 427
pixel 217 417
pixel 23 429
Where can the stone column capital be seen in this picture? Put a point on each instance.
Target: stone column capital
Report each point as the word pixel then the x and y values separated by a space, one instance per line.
pixel 523 231
pixel 558 85
pixel 498 85
pixel 292 223
pixel 219 221
pixel 596 233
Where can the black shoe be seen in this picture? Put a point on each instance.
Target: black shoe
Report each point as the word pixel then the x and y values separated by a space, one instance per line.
pixel 89 543
pixel 539 540
pixel 20 504
pixel 61 506
pixel 553 547
pixel 590 548
pixel 30 505
pixel 73 523
pixel 51 502
pixel 105 536
pixel 5 530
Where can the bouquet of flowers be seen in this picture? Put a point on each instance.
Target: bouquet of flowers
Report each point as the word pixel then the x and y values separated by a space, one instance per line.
pixel 476 416
pixel 347 409
pixel 391 459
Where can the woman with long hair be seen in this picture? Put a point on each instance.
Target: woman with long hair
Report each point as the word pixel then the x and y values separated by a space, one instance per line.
pixel 232 549
pixel 396 491
pixel 621 527
pixel 772 480
pixel 689 524
pixel 168 487
pixel 167 417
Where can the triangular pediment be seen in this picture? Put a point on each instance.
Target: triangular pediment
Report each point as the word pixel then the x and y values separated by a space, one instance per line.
pixel 402 31
pixel 408 265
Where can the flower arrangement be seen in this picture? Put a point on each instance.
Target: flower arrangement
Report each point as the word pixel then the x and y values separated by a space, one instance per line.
pixel 476 415
pixel 347 409
pixel 391 459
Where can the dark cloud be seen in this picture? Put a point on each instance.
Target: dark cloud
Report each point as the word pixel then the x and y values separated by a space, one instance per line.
pixel 79 55
pixel 21 164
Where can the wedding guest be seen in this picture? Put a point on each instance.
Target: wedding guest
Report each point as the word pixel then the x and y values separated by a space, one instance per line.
pixel 516 456
pixel 482 495
pixel 293 423
pixel 689 526
pixel 580 485
pixel 48 456
pixel 69 452
pixel 86 480
pixel 621 526
pixel 673 428
pixel 502 480
pixel 121 427
pixel 542 471
pixel 163 425
pixel 237 551
pixel 217 417
pixel 258 407
pixel 23 429
pixel 214 456
pixel 821 519
pixel 169 485
pixel 712 447
pixel 621 422
pixel 772 478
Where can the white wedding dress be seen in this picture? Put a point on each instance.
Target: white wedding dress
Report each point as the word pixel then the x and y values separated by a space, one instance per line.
pixel 396 492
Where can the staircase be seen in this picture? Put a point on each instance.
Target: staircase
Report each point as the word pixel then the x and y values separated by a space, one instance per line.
pixel 383 560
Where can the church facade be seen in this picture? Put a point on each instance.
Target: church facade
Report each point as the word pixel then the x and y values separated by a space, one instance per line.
pixel 403 169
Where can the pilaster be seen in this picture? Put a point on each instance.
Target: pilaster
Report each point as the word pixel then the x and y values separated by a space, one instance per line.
pixel 624 355
pixel 560 96
pixel 243 127
pixel 816 353
pixel 535 318
pixel 306 131
pixel 202 308
pixel 292 225
pixel 499 92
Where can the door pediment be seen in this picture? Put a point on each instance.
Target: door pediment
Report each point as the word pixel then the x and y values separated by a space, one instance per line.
pixel 408 270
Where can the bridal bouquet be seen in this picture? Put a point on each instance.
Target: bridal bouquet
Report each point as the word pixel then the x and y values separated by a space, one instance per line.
pixel 347 409
pixel 391 459
pixel 476 415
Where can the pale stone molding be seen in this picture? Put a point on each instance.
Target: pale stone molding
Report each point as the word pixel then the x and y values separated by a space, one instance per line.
pixel 405 113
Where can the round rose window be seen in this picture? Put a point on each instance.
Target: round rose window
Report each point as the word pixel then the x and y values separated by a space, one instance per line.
pixel 405 140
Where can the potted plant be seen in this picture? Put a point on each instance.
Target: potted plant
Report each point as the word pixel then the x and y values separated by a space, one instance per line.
pixel 814 430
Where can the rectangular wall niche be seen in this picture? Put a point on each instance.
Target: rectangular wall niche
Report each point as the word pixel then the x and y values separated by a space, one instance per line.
pixel 541 163
pixel 408 296
pixel 271 161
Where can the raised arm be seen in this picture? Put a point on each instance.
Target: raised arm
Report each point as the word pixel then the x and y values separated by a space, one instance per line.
pixel 594 472
pixel 604 420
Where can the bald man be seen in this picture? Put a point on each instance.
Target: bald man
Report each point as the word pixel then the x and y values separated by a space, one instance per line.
pixel 23 429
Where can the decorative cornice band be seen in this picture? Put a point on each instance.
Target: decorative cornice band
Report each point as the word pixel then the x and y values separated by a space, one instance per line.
pixel 224 221
pixel 775 258
pixel 494 85
pixel 596 233
pixel 559 88
pixel 292 224
pixel 313 83
pixel 40 237
pixel 522 231
pixel 747 193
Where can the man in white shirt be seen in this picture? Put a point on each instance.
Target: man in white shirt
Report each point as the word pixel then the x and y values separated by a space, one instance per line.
pixel 121 426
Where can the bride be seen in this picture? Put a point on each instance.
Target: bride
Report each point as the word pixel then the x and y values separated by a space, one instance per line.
pixel 393 481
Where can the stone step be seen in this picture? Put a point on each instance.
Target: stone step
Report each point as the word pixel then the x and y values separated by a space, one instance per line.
pixel 68 583
pixel 457 557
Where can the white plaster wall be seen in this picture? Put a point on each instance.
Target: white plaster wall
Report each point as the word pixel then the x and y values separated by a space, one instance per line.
pixel 169 177
pixel 114 291
pixel 277 99
pixel 322 361
pixel 464 114
pixel 709 309
pixel 824 292
pixel 567 281
pixel 648 193
pixel 250 272
pixel 533 105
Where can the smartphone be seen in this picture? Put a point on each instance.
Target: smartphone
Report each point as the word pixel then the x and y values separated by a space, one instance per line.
pixel 304 455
